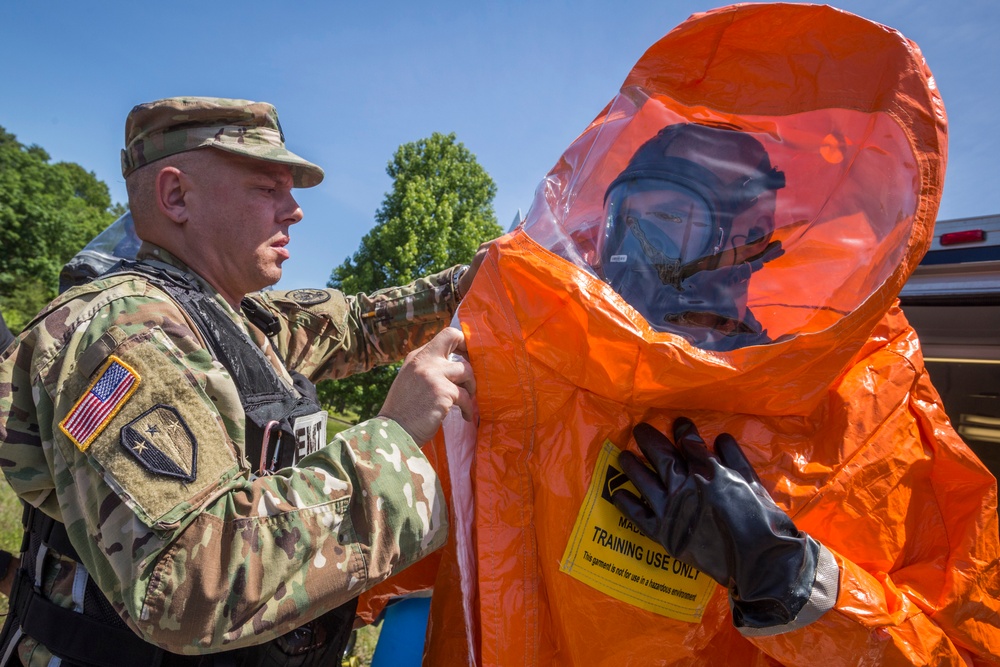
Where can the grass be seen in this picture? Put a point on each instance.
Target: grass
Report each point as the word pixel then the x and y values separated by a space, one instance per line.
pixel 10 519
pixel 10 528
pixel 364 649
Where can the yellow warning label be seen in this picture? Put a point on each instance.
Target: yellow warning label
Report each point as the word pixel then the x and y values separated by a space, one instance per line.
pixel 607 552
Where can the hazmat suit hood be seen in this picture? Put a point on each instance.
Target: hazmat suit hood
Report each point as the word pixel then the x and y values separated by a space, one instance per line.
pixel 812 149
pixel 849 211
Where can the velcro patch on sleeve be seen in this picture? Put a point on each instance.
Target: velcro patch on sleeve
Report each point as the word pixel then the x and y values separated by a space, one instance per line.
pixel 114 385
pixel 167 449
pixel 161 441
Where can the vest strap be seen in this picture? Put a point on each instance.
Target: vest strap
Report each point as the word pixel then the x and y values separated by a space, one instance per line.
pixel 75 637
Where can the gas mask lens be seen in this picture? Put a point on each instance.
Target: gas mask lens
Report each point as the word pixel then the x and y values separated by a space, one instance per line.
pixel 657 224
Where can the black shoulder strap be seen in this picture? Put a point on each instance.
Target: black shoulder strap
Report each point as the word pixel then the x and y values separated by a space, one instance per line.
pixel 260 317
pixel 264 320
pixel 254 376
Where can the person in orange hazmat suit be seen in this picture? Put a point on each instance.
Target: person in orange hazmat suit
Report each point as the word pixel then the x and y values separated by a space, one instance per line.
pixel 667 216
pixel 850 525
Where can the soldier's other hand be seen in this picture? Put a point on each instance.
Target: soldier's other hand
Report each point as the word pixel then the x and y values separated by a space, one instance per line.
pixel 433 379
pixel 465 282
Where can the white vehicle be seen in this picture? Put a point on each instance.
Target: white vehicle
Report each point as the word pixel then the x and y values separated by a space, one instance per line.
pixel 953 302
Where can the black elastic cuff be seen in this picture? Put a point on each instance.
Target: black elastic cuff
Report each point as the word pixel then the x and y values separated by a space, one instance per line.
pixel 768 608
pixel 823 597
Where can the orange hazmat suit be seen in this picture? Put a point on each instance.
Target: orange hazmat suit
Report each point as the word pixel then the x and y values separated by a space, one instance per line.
pixel 832 404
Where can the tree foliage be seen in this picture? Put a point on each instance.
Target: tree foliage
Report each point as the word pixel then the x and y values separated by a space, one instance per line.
pixel 48 212
pixel 439 211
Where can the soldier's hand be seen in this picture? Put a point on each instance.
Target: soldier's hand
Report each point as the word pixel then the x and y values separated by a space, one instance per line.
pixel 433 379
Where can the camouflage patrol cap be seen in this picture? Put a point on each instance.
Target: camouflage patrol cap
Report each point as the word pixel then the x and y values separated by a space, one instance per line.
pixel 165 127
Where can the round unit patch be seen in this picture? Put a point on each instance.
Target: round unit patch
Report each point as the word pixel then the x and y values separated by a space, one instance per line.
pixel 309 297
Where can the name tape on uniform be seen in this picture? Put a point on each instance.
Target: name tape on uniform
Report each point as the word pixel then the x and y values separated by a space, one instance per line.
pixel 607 552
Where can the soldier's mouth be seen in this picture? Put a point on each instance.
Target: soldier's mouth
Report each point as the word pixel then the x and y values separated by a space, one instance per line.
pixel 280 249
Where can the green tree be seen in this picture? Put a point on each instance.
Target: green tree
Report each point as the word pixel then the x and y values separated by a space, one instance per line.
pixel 47 213
pixel 439 211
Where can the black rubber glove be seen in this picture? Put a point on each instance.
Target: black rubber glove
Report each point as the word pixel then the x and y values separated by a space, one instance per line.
pixel 712 512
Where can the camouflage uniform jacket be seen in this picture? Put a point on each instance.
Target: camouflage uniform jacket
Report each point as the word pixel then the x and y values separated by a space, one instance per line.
pixel 213 557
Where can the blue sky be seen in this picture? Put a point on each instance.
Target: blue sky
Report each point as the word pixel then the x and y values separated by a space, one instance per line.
pixel 516 81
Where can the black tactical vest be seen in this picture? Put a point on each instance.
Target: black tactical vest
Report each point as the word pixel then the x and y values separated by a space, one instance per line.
pixel 282 426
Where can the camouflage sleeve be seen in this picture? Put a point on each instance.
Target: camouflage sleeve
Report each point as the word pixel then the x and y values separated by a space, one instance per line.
pixel 270 554
pixel 327 335
pixel 117 422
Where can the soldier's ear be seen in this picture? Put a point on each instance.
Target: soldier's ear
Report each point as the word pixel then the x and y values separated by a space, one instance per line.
pixel 170 190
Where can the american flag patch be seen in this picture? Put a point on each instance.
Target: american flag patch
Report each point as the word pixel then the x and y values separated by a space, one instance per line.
pixel 103 399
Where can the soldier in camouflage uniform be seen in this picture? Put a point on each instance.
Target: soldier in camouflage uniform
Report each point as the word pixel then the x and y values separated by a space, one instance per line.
pixel 119 421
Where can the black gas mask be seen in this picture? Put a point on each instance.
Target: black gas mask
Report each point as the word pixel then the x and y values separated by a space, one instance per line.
pixel 669 246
